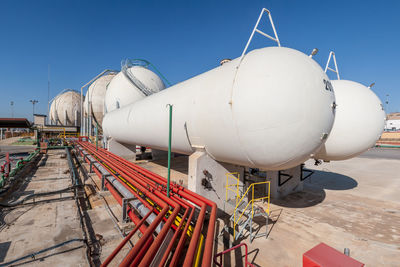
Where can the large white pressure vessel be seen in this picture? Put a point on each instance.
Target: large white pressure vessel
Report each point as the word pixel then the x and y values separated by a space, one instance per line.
pixel 122 90
pixel 271 112
pixel 96 94
pixel 359 122
pixel 65 108
pixel 52 113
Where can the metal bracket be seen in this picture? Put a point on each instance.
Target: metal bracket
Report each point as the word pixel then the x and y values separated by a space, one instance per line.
pixel 336 70
pixel 91 166
pixel 125 202
pixel 280 174
pixel 310 172
pixel 276 39
pixel 84 156
pixel 103 181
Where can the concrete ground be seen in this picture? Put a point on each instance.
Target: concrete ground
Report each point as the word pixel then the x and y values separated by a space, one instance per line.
pixel 27 229
pixel 351 204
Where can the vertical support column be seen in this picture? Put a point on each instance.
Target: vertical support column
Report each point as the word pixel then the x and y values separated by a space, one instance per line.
pixel 65 118
pixel 97 136
pixel 76 118
pixel 89 115
pixel 285 182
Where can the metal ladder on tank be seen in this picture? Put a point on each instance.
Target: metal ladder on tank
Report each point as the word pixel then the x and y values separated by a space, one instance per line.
pixel 125 66
pixel 245 208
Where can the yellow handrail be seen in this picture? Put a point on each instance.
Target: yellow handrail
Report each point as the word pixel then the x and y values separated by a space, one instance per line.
pixel 268 183
pixel 236 185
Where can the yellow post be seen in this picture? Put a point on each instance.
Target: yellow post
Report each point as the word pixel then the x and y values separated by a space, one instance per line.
pixel 237 189
pixel 226 187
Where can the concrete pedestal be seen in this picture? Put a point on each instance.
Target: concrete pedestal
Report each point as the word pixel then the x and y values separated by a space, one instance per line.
pixel 285 182
pixel 160 154
pixel 207 177
pixel 123 150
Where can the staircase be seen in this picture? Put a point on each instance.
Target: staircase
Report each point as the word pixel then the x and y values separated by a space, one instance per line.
pixel 246 208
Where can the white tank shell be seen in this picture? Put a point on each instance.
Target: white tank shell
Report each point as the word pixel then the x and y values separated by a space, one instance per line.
pixel 273 114
pixel 121 92
pixel 359 122
pixel 52 113
pixel 65 108
pixel 96 94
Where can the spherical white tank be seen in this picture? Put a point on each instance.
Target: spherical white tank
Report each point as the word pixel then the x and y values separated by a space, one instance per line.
pixel 52 112
pixel 359 122
pixel 65 108
pixel 121 91
pixel 96 94
pixel 272 112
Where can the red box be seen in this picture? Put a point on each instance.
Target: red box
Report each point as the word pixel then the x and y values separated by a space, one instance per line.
pixel 323 255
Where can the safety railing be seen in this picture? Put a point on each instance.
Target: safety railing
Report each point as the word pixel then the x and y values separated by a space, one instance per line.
pixel 250 203
pixel 219 255
pixel 68 135
pixel 236 177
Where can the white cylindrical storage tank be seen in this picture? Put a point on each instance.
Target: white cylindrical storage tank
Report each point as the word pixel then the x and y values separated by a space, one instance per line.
pixel 121 91
pixel 359 122
pixel 67 106
pixel 96 94
pixel 272 112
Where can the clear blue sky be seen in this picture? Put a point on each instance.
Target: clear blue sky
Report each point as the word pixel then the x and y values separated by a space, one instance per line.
pixel 78 39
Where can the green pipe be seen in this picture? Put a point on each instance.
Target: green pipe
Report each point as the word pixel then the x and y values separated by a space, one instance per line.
pixel 21 161
pixel 18 167
pixel 169 148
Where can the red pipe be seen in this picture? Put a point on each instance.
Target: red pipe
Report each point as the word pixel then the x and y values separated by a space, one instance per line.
pixel 126 239
pixel 160 237
pixel 140 179
pixel 171 243
pixel 136 249
pixel 188 195
pixel 157 242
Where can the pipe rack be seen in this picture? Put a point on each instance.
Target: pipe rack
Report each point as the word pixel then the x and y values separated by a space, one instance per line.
pixel 183 217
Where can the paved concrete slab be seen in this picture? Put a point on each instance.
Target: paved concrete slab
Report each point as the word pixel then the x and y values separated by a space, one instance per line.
pixel 30 228
pixel 351 204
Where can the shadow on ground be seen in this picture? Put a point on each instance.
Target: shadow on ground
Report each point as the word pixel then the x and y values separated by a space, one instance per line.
pixel 314 189
pixel 180 163
pixel 331 181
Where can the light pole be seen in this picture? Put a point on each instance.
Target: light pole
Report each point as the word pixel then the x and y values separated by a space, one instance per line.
pixel 387 103
pixel 33 107
pixel 12 109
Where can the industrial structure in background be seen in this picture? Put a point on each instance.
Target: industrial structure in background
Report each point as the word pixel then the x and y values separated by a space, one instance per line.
pixel 65 108
pixel 393 122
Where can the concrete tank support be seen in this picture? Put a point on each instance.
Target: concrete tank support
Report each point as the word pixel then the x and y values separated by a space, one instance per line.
pixel 207 177
pixel 123 150
pixel 285 182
